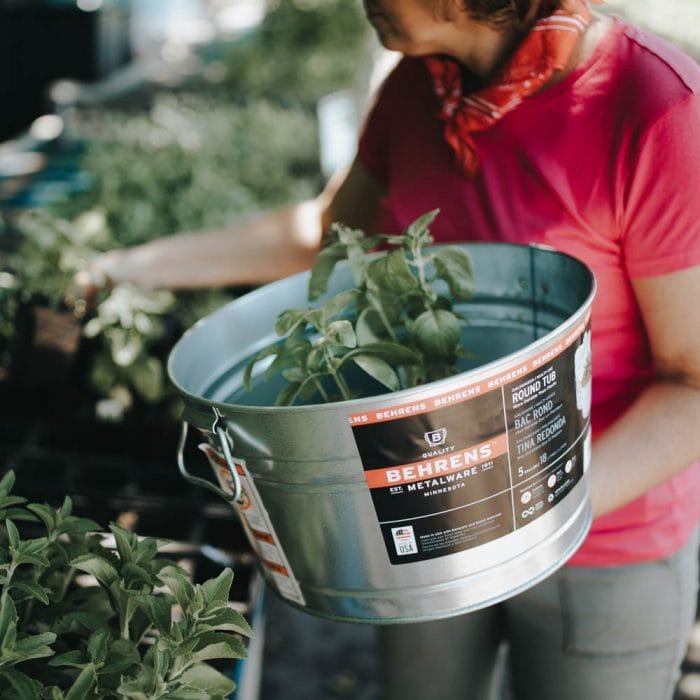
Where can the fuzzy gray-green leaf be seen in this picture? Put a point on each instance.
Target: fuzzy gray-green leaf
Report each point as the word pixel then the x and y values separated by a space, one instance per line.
pixel 216 590
pixel 25 688
pixel 394 353
pixel 437 332
pixel 209 680
pixel 83 684
pixel 455 266
pixel 323 267
pixel 417 232
pixel 338 304
pixel 98 567
pixel 391 271
pixel 31 590
pixel 379 370
pixel 341 333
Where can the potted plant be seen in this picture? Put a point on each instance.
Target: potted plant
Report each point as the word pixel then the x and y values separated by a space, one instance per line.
pixel 422 407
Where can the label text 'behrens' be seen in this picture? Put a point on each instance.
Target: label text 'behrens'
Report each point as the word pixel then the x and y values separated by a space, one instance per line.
pixel 474 455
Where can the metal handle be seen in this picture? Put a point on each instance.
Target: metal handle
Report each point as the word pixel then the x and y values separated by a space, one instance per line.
pixel 220 432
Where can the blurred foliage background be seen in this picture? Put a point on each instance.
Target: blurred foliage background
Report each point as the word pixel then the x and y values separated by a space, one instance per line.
pixel 239 136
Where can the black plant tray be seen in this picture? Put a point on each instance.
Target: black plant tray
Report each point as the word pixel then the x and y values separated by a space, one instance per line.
pixel 124 472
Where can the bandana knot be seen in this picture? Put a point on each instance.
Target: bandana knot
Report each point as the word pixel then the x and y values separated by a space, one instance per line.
pixel 547 48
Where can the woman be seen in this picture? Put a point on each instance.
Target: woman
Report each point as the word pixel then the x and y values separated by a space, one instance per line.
pixel 539 121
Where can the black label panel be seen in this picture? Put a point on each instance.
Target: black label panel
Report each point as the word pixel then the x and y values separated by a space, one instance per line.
pixel 459 469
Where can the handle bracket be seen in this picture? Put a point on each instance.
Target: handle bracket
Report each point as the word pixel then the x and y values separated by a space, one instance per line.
pixel 219 429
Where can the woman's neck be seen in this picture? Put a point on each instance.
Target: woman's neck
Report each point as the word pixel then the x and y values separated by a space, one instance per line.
pixel 484 50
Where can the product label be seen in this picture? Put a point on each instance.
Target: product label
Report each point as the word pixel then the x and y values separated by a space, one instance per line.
pixel 459 469
pixel 257 525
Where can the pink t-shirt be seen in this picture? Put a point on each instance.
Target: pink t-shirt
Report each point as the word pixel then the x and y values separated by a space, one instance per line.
pixel 605 166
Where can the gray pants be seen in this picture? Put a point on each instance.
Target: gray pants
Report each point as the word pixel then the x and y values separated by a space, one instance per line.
pixel 614 633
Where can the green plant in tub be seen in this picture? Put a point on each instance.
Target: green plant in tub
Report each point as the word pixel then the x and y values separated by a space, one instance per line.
pixel 394 324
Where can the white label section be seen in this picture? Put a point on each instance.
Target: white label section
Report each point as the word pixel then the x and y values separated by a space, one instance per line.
pixel 404 540
pixel 257 525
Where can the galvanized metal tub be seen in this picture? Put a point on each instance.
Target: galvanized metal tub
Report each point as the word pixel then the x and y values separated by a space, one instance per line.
pixel 418 504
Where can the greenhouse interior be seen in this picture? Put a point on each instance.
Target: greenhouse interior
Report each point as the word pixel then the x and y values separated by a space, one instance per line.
pixel 122 122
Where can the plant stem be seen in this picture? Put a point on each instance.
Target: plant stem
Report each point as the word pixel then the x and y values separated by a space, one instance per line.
pixel 321 390
pixel 419 262
pixel 342 385
pixel 386 323
pixel 340 382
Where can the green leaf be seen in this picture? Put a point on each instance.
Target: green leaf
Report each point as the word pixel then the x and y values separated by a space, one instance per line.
pixel 31 590
pixel 8 620
pixel 7 504
pixel 417 232
pixel 73 658
pixel 80 621
pixel 97 645
pixel 12 534
pixel 288 394
pixel 178 584
pixel 140 687
pixel 437 332
pixel 97 566
pixel 126 346
pixel 387 304
pixel 32 552
pixel 391 272
pixel 147 377
pixel 227 620
pixel 83 684
pixel 338 304
pixel 26 688
pixel 206 678
pixel 323 267
pixel 79 526
pixel 159 611
pixel 379 370
pixel 341 333
pixel 125 541
pixel 369 327
pixel 294 374
pixel 288 320
pixel 394 353
pixel 454 265
pixel 217 645
pixel 7 482
pixel 46 514
pixel 35 646
pixel 260 355
pixel 216 590
pixel 122 654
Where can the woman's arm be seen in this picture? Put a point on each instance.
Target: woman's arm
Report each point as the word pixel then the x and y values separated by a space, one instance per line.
pixel 268 246
pixel 659 435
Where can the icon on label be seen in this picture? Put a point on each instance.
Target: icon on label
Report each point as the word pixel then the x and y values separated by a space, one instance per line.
pixel 436 437
pixel 526 497
pixel 552 480
pixel 550 498
pixel 569 466
pixel 404 540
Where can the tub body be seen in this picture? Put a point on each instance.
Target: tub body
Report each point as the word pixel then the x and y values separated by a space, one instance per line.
pixel 422 503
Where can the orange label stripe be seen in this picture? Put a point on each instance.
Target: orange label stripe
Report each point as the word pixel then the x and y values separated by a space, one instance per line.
pixel 263 536
pixel 277 568
pixel 470 391
pixel 435 467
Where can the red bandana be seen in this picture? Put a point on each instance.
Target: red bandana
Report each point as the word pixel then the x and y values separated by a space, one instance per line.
pixel 546 49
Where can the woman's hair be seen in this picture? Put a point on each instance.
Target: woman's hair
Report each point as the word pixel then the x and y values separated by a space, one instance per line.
pixel 515 13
